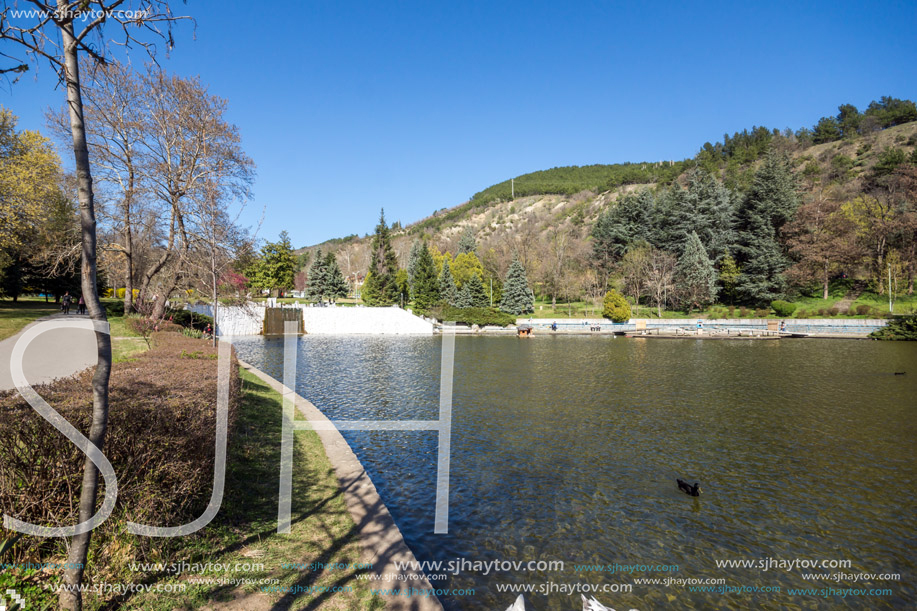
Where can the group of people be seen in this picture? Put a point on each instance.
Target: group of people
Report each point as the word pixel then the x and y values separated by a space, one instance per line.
pixel 67 300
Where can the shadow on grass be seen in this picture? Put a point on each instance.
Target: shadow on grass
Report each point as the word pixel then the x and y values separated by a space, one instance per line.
pixel 248 515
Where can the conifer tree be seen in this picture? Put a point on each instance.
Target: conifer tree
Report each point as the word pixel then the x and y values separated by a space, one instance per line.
pixel 426 284
pixel 447 290
pixel 474 294
pixel 318 278
pixel 335 283
pixel 696 276
pixel 412 261
pixel 380 287
pixel 517 297
pixel 467 242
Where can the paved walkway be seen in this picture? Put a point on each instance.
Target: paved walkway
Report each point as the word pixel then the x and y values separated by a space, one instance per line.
pixel 57 353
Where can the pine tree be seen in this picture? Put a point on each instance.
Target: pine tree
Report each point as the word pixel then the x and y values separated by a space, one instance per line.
pixel 412 261
pixel 380 287
pixel 770 203
pixel 447 290
pixel 517 297
pixel 696 276
pixel 426 284
pixel 335 283
pixel 463 297
pixel 474 293
pixel 317 285
pixel 467 242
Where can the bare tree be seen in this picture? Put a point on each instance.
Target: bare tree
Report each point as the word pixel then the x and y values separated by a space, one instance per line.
pixel 58 33
pixel 659 277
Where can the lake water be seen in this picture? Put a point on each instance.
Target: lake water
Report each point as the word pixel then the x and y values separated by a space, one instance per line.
pixel 567 448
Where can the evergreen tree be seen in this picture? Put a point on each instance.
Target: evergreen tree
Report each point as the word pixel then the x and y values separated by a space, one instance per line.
pixel 276 267
pixel 426 284
pixel 696 278
pixel 335 283
pixel 770 203
pixel 474 293
pixel 623 224
pixel 412 261
pixel 317 283
pixel 380 287
pixel 447 290
pixel 517 297
pixel 467 242
pixel 463 297
pixel 729 277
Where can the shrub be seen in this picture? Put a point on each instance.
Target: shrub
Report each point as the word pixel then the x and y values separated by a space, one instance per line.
pixel 762 313
pixel 473 316
pixel 615 307
pixel 902 328
pixel 821 312
pixel 113 308
pixel 784 309
pixel 732 311
pixel 802 314
pixel 195 333
pixel 834 311
pixel 862 309
pixel 743 312
pixel 160 440
pixel 851 311
pixel 187 318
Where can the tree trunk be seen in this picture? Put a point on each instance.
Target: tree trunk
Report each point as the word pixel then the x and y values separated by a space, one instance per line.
pixel 128 255
pixel 70 597
pixel 825 283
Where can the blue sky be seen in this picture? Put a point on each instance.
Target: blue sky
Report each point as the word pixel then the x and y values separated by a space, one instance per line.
pixel 415 106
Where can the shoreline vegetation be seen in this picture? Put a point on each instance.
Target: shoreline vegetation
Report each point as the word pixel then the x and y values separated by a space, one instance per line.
pixel 150 446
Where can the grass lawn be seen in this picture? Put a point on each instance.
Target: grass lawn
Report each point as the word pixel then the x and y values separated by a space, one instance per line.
pixel 16 315
pixel 245 530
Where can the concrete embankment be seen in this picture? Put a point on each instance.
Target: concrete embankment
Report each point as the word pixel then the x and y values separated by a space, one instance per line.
pixel 382 541
pixel 815 327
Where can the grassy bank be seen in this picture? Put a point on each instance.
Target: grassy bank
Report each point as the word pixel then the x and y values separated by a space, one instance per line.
pixel 245 530
pixel 14 315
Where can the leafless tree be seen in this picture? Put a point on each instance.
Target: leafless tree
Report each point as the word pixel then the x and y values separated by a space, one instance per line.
pixel 58 33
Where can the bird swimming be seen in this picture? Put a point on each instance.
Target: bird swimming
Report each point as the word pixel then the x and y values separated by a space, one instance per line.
pixel 688 488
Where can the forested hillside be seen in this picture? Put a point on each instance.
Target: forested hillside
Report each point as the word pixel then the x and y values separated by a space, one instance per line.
pixel 777 213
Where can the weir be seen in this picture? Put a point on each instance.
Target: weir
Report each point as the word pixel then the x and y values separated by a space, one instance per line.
pixel 274 319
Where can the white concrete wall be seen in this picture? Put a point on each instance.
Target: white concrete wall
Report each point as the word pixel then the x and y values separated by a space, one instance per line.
pixel 248 320
pixel 323 321
pixel 368 321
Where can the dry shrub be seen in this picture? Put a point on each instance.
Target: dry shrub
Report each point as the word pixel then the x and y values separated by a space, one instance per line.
pixel 160 440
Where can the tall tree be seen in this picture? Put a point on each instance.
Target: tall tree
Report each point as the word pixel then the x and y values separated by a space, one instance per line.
pixel 426 284
pixel 276 267
pixel 472 294
pixel 467 243
pixel 447 289
pixel 54 33
pixel 335 285
pixel 518 298
pixel 412 260
pixel 769 204
pixel 316 285
pixel 696 275
pixel 380 287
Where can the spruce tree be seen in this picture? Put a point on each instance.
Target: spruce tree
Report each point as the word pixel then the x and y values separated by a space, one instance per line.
pixel 467 242
pixel 412 261
pixel 517 297
pixel 335 283
pixel 380 286
pixel 476 293
pixel 447 290
pixel 426 284
pixel 696 277
pixel 463 297
pixel 316 288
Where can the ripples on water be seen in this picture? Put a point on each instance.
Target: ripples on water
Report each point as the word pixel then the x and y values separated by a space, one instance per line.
pixel 567 448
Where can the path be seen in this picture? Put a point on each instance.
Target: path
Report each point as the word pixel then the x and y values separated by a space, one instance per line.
pixel 851 296
pixel 57 353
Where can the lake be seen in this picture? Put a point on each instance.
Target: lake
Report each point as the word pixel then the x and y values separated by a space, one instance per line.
pixel 567 448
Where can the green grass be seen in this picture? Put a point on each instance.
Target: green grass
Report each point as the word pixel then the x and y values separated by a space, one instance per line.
pixel 245 530
pixel 126 349
pixel 16 315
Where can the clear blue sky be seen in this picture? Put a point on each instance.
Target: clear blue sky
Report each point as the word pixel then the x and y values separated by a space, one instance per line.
pixel 415 106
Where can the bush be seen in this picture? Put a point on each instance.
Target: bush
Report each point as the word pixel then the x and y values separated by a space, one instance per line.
pixel 615 307
pixel 802 314
pixel 834 311
pixel 732 311
pixel 783 309
pixel 902 328
pixel 821 312
pixel 762 313
pixel 195 333
pixel 851 311
pixel 473 316
pixel 743 312
pixel 187 318
pixel 862 309
pixel 113 309
pixel 160 440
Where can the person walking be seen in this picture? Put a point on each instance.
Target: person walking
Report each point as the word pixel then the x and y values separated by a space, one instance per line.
pixel 65 302
pixel 81 306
